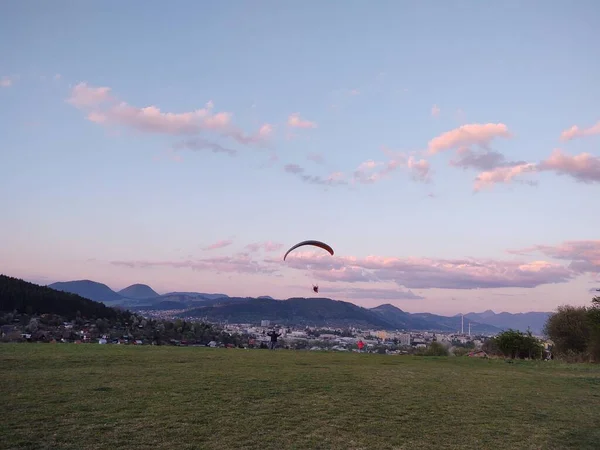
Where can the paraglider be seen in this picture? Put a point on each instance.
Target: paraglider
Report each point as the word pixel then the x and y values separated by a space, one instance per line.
pixel 319 244
pixel 314 243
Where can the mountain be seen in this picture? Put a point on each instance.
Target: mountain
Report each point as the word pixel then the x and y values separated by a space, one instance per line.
pixel 143 297
pixel 400 319
pixel 453 324
pixel 139 292
pixel 293 311
pixel 88 289
pixel 428 321
pixel 31 298
pixel 519 321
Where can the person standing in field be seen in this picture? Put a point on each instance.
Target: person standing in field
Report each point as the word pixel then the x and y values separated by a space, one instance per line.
pixel 274 335
pixel 360 345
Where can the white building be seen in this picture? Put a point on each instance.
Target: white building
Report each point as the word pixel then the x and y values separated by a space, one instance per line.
pixel 404 339
pixel 265 323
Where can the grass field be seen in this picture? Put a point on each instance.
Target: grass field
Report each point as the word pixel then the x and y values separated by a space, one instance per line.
pixel 81 397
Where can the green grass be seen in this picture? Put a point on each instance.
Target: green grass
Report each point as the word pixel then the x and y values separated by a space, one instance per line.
pixel 69 396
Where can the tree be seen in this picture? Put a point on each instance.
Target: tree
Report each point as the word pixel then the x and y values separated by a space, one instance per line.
pixel 594 324
pixel 569 329
pixel 515 344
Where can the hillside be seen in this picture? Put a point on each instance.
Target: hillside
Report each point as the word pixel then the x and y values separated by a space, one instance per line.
pixel 401 319
pixel 297 311
pixel 31 298
pixel 453 324
pixel 428 321
pixel 519 321
pixel 91 290
pixel 139 292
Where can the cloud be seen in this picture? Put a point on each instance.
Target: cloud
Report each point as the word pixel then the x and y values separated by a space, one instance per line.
pixel 6 81
pixel 576 132
pixel 335 178
pixel 267 246
pixel 584 255
pixel 372 293
pixel 584 167
pixel 295 121
pixel 427 273
pixel 435 111
pixel 466 135
pixel 106 109
pixel 488 160
pixel 316 157
pixel 504 174
pixel 203 144
pixel 83 96
pixel 223 264
pixel 218 244
pixel 372 171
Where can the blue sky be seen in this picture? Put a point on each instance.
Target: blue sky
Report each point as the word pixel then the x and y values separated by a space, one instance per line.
pixel 119 200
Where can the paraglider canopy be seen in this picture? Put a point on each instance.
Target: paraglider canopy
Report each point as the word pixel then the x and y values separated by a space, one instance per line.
pixel 319 244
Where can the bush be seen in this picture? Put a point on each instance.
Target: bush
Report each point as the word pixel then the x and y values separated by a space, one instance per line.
pixel 435 349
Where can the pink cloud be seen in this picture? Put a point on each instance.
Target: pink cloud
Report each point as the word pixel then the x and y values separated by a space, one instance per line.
pixel 371 171
pixel 6 81
pixel 83 96
pixel 584 167
pixel 502 175
pixel 295 121
pixel 470 134
pixel 427 273
pixel 372 293
pixel 576 132
pixel 584 255
pixel 435 111
pixel 223 264
pixel 421 168
pixel 267 246
pixel 218 244
pixel 104 108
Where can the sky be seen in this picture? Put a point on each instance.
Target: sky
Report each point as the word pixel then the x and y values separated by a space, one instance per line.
pixel 448 152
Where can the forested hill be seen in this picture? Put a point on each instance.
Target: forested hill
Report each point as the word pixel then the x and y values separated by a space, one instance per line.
pixel 293 311
pixel 30 298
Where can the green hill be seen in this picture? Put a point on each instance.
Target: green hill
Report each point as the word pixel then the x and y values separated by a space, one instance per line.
pixel 293 311
pixel 25 297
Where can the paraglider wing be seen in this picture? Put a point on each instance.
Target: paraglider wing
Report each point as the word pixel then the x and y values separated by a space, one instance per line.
pixel 319 244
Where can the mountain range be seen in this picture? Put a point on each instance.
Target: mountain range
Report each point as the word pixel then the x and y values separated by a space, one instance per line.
pixel 298 311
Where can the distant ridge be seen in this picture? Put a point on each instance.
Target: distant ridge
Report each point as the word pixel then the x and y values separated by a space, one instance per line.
pixel 223 307
pixel 91 290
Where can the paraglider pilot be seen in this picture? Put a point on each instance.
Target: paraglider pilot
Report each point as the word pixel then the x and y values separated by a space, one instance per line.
pixel 316 288
pixel 274 335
